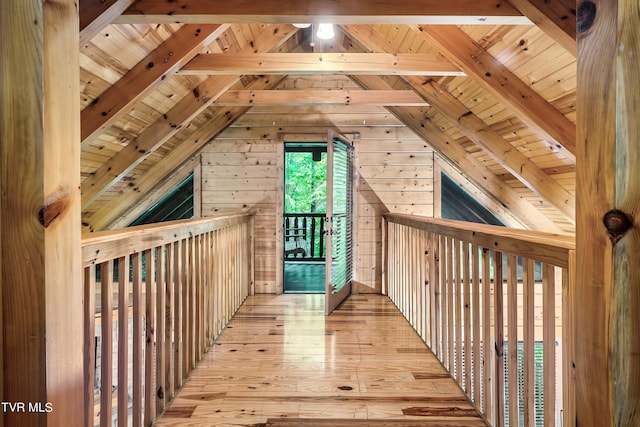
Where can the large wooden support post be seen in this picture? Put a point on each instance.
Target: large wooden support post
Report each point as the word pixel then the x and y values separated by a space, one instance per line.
pixel 41 287
pixel 607 297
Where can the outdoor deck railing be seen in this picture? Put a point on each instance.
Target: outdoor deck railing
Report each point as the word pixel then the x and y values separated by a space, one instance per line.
pixel 155 298
pixel 304 236
pixel 506 342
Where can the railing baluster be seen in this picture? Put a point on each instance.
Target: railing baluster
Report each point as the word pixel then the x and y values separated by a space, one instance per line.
pixel 549 343
pixel 569 286
pixel 437 294
pixel 123 341
pixel 149 359
pixel 178 337
pixel 136 261
pixel 425 288
pixel 499 334
pixel 198 285
pixel 191 295
pixel 529 337
pixel 89 342
pixel 457 283
pixel 488 398
pixel 468 368
pixel 477 339
pixel 169 323
pixel 106 355
pixel 160 329
pixel 450 308
pixel 512 338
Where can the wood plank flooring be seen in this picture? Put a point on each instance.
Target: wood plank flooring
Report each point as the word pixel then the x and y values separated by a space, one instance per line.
pixel 281 362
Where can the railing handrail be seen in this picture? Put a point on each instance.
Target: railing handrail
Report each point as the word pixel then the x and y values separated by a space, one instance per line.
pixel 547 247
pixel 102 246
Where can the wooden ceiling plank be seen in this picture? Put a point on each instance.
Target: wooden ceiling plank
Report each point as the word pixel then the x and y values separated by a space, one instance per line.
pixel 319 63
pixel 455 12
pixel 97 14
pixel 144 77
pixel 556 18
pixel 186 149
pixel 412 117
pixel 319 97
pixel 498 80
pixel 170 123
pixel 495 145
pixel 479 132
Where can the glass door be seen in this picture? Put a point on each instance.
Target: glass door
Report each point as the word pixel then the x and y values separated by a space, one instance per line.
pixel 339 221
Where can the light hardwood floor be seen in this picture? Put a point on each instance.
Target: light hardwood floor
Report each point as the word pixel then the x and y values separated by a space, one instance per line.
pixel 281 362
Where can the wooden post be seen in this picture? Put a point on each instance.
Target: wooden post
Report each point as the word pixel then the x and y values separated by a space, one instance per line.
pixel 41 283
pixel 607 343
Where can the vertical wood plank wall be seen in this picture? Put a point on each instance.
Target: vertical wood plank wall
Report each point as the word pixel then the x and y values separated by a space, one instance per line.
pixel 395 175
pixel 242 175
pixel 395 170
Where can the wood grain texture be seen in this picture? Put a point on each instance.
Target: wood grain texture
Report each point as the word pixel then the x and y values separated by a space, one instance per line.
pixel 40 161
pixel 498 80
pixel 173 120
pixel 143 77
pixel 179 285
pixel 607 357
pixel 454 12
pixel 556 18
pixel 551 248
pixel 321 63
pixel 97 14
pixel 508 316
pixel 280 357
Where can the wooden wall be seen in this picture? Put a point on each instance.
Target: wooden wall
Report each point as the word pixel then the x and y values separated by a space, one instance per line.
pixel 394 173
pixel 243 175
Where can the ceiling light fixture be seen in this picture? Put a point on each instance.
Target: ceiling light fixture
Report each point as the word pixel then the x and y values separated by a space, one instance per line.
pixel 301 25
pixel 325 31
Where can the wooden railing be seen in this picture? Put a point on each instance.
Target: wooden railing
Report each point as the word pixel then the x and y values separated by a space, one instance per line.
pixel 491 303
pixel 155 298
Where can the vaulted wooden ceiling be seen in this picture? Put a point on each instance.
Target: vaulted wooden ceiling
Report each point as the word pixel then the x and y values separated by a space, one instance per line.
pixel 490 85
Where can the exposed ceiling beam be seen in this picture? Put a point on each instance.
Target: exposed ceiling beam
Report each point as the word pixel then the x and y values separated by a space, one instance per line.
pixel 499 149
pixel 175 119
pixel 321 63
pixel 415 119
pixel 319 98
pixel 473 127
pixel 183 45
pixel 97 14
pixel 556 18
pixel 498 80
pixel 221 118
pixel 455 12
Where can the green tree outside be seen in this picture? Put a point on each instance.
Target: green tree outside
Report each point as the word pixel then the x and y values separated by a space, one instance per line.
pixel 305 183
